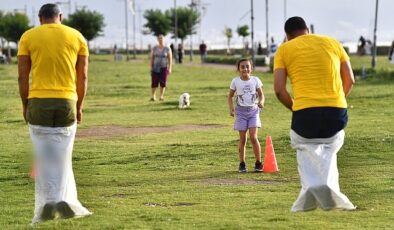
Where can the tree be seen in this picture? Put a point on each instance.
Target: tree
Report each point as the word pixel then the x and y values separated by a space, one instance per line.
pixel 1 29
pixel 12 26
pixel 229 34
pixel 89 23
pixel 157 22
pixel 187 19
pixel 243 31
pixel 1 24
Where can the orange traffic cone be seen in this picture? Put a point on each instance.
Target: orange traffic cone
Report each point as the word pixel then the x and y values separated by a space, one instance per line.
pixel 33 172
pixel 270 164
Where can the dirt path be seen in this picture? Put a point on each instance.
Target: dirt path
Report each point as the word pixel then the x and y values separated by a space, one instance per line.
pixel 224 66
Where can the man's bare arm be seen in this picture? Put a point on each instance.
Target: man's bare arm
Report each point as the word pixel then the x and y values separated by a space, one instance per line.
pixel 280 77
pixel 347 77
pixel 82 83
pixel 24 67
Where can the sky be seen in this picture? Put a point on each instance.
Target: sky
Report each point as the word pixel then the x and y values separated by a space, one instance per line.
pixel 345 20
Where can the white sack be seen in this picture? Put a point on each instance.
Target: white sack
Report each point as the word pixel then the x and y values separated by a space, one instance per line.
pixel 54 180
pixel 317 166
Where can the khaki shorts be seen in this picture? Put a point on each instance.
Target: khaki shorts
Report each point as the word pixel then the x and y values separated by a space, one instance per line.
pixel 51 112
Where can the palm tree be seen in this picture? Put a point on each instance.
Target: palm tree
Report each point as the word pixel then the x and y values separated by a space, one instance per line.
pixel 229 34
pixel 243 31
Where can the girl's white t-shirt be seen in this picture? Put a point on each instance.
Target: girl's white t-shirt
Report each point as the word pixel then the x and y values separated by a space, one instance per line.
pixel 246 91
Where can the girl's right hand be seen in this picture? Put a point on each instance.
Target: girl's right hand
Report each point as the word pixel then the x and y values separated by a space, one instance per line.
pixel 232 112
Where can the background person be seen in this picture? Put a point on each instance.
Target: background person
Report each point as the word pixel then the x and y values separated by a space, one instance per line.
pixel 117 56
pixel 249 100
pixel 172 47
pixel 3 58
pixel 320 81
pixel 161 65
pixel 181 51
pixel 203 52
pixel 361 46
pixel 172 51
pixel 391 53
pixel 273 47
pixel 259 49
pixel 57 58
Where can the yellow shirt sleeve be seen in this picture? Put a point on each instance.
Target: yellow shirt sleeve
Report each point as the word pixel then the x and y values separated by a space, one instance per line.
pixel 83 51
pixel 278 60
pixel 343 55
pixel 23 46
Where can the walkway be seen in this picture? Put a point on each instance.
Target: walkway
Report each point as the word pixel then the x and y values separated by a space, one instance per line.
pixel 225 66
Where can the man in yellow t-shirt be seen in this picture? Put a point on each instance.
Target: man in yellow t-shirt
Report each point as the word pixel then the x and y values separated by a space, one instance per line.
pixel 321 77
pixel 56 56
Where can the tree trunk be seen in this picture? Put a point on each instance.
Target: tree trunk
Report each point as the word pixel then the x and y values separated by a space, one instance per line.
pixel 2 42
pixel 9 59
pixel 228 46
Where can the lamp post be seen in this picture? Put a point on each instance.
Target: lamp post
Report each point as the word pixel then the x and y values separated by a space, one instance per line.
pixel 266 27
pixel 65 3
pixel 134 49
pixel 23 11
pixel 252 31
pixel 373 63
pixel 140 27
pixel 192 6
pixel 79 7
pixel 126 29
pixel 175 33
pixel 33 18
pixel 284 11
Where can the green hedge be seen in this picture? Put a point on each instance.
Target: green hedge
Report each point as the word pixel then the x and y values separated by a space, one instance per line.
pixel 232 60
pixel 372 74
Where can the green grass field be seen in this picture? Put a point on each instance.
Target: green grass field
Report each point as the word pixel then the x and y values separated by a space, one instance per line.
pixel 182 178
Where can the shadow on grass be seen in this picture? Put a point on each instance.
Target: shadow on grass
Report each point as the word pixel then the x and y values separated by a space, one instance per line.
pixel 169 105
pixel 133 87
pixel 212 88
pixel 234 178
pixel 14 121
pixel 178 204
pixel 173 108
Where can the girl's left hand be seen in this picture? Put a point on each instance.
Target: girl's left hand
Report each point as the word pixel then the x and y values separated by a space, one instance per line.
pixel 260 105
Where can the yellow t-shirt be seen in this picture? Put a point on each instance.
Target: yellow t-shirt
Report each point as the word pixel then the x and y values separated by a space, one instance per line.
pixel 53 50
pixel 313 64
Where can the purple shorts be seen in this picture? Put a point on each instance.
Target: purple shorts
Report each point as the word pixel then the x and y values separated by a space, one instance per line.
pixel 246 118
pixel 159 78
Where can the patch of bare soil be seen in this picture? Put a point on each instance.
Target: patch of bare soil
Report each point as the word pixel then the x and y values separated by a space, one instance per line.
pixel 108 131
pixel 182 204
pixel 220 182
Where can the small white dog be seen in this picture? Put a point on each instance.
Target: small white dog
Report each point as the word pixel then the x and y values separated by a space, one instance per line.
pixel 184 101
